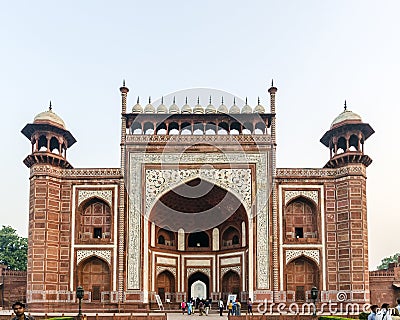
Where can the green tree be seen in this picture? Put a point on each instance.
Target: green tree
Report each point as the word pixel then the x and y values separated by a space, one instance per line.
pixel 385 261
pixel 13 249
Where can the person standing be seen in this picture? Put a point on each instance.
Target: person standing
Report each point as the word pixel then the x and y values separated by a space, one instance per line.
pixel 249 306
pixel 221 306
pixel 372 315
pixel 384 313
pixel 19 310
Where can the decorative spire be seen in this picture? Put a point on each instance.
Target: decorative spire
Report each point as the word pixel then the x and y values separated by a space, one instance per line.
pixel 246 100
pixel 272 83
pixel 123 83
pixel 258 100
pixel 345 105
pixel 198 100
pixel 234 100
pixel 162 99
pixel 50 106
pixel 186 100
pixel 222 100
pixel 173 101
pixel 149 99
pixel 137 101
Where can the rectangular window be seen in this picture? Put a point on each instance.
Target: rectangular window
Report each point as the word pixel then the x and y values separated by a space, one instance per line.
pixel 97 233
pixel 299 233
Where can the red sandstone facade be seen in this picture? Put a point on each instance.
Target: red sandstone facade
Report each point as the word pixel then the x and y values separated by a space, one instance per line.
pixel 197 208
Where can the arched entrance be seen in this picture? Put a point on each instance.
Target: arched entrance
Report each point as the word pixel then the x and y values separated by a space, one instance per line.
pixel 198 284
pixel 301 275
pixel 95 276
pixel 165 284
pixel 230 284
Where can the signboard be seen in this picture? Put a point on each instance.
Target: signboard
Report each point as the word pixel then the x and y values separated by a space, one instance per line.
pixel 159 302
pixel 231 297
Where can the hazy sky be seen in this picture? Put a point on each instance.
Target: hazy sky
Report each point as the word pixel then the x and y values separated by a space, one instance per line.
pixel 319 53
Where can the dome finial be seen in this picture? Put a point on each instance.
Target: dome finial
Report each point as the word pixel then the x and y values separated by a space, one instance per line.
pixel 149 99
pixel 222 100
pixel 258 100
pixel 173 100
pixel 50 106
pixel 210 98
pixel 186 100
pixel 137 101
pixel 162 99
pixel 246 100
pixel 345 105
pixel 234 100
pixel 198 100
pixel 123 82
pixel 272 83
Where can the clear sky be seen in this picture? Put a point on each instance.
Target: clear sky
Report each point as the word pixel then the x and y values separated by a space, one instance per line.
pixel 319 53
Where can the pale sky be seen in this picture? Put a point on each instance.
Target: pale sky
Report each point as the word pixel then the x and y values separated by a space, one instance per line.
pixel 319 53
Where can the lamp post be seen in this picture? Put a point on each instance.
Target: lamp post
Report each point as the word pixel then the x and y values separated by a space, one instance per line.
pixel 79 295
pixel 314 297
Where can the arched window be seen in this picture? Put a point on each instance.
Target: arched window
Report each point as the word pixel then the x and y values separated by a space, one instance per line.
pixel 198 239
pixel 161 240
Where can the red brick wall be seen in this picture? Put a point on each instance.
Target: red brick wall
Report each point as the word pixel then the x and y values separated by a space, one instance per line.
pixel 13 288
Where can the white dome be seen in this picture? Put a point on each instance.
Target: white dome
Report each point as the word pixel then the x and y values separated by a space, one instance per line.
pixel 49 117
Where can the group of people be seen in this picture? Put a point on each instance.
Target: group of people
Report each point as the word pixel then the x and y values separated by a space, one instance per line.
pixel 384 313
pixel 204 306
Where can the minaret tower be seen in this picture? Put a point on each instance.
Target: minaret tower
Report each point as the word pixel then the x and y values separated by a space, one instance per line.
pixel 345 140
pixel 346 206
pixel 49 218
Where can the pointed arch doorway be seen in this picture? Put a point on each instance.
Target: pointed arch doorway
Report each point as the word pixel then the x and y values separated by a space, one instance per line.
pixel 198 286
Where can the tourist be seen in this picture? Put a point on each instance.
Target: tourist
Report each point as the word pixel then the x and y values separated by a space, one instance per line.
pixel 207 306
pixel 220 306
pixel 384 313
pixel 372 315
pixel 200 306
pixel 238 307
pixel 397 308
pixel 183 306
pixel 230 308
pixel 249 306
pixel 189 307
pixel 19 310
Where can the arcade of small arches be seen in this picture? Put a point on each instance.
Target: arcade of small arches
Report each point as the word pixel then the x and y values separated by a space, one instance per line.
pixel 198 128
pixel 48 142
pixel 349 141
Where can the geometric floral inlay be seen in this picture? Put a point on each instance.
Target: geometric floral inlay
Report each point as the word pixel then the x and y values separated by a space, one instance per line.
pixel 106 195
pixel 289 195
pixel 293 254
pixel 82 254
pixel 190 271
pixel 160 269
pixel 237 180
pixel 225 270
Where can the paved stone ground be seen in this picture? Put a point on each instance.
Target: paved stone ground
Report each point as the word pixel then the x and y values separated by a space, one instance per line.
pixel 180 316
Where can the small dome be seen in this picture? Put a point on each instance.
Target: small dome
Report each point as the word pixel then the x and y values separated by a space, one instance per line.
pixel 234 108
pixel 162 108
pixel 198 109
pixel 210 109
pixel 173 108
pixel 186 108
pixel 137 108
pixel 149 108
pixel 222 108
pixel 247 109
pixel 259 108
pixel 49 117
pixel 346 115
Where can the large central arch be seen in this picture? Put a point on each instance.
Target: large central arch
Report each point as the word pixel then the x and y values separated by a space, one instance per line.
pixel 194 229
